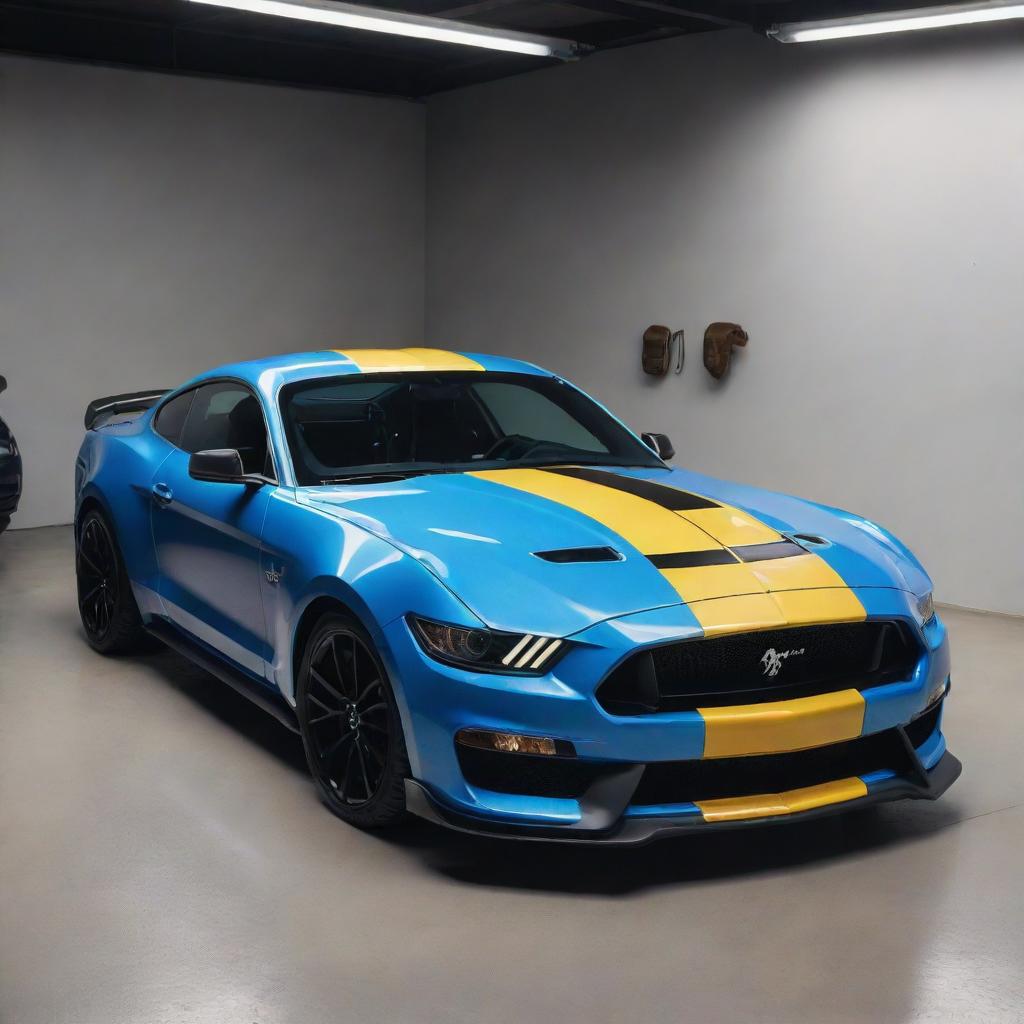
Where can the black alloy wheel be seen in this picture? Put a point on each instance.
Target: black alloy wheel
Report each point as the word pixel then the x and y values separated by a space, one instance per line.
pixel 106 603
pixel 97 578
pixel 350 725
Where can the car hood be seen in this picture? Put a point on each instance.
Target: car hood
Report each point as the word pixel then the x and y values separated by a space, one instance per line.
pixel 480 533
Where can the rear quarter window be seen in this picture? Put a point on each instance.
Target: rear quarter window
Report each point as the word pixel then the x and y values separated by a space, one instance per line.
pixel 170 417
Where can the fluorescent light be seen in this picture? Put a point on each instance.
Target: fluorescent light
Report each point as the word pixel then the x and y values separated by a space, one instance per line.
pixel 400 23
pixel 897 21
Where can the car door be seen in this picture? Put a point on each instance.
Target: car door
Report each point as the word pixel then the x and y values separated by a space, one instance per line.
pixel 206 534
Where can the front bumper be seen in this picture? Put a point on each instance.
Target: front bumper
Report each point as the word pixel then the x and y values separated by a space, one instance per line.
pixel 438 701
pixel 629 830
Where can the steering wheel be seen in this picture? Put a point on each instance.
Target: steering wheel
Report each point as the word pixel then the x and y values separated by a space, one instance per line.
pixel 512 446
pixel 515 447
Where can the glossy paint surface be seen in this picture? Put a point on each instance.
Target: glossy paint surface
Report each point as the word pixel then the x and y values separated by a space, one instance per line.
pixel 237 567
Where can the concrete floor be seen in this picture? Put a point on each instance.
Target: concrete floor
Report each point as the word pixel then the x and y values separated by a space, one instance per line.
pixel 164 859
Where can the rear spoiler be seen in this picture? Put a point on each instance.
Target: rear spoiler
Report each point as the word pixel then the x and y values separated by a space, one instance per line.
pixel 102 409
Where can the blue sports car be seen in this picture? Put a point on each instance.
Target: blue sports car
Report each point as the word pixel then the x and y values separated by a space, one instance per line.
pixel 479 597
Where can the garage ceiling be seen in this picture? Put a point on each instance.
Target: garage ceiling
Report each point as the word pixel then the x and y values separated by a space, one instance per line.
pixel 182 37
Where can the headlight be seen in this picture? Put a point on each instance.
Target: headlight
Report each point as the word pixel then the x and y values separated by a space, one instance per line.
pixel 926 607
pixel 487 650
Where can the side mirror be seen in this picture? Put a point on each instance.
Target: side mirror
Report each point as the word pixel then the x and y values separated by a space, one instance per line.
pixel 218 465
pixel 3 383
pixel 659 444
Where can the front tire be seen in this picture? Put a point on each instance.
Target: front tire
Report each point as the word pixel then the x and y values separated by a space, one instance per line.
pixel 106 604
pixel 350 726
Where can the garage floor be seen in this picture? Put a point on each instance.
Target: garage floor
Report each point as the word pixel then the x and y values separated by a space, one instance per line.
pixel 164 859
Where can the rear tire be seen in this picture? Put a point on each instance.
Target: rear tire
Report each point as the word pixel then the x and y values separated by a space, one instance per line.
pixel 350 726
pixel 106 604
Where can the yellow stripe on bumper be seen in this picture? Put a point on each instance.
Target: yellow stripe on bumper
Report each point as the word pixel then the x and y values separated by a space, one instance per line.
pixel 401 360
pixel 783 725
pixel 768 805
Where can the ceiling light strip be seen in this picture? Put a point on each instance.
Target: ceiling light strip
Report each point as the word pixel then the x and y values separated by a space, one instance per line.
pixel 944 16
pixel 401 23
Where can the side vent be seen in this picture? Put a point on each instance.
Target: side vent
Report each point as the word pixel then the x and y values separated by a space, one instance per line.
pixel 566 556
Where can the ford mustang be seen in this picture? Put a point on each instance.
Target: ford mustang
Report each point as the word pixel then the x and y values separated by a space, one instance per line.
pixel 481 598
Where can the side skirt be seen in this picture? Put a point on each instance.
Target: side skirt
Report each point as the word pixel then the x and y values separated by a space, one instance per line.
pixel 259 693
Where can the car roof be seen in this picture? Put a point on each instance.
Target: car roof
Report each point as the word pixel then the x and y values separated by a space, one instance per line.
pixel 270 373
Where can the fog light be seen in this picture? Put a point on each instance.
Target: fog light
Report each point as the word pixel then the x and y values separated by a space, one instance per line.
pixel 515 743
pixel 938 693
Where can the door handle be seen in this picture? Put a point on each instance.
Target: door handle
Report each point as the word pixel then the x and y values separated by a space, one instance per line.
pixel 162 494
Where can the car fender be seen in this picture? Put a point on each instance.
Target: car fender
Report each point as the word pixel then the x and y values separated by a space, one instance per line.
pixel 309 555
pixel 115 467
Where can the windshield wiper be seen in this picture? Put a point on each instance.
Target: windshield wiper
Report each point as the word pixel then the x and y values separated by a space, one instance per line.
pixel 383 476
pixel 614 463
pixel 366 478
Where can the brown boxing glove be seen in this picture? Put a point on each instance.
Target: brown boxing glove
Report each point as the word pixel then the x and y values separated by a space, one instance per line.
pixel 657 351
pixel 719 339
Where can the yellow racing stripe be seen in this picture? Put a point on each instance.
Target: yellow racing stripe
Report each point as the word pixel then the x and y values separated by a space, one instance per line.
pixel 811 607
pixel 650 528
pixel 381 360
pixel 738 808
pixel 742 613
pixel 707 582
pixel 799 572
pixel 748 613
pixel 724 598
pixel 782 725
pixel 731 527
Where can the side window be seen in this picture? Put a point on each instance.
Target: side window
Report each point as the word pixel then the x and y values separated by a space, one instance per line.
pixel 171 417
pixel 228 415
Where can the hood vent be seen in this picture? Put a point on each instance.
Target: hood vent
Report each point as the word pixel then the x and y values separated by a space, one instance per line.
pixel 810 538
pixel 567 556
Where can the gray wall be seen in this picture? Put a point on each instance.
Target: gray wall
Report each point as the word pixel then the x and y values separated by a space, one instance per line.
pixel 858 207
pixel 152 226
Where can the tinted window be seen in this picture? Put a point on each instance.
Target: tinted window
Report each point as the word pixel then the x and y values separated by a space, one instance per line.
pixel 420 422
pixel 171 417
pixel 518 410
pixel 228 415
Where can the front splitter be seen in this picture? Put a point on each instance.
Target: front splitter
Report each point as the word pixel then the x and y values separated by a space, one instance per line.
pixel 635 830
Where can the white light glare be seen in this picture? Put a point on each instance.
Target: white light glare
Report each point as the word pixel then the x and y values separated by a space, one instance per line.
pixel 896 21
pixel 373 19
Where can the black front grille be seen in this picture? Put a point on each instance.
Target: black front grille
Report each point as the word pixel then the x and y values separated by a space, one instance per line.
pixel 750 668
pixel 671 782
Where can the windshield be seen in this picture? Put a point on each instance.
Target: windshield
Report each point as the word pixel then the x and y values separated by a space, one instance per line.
pixel 339 428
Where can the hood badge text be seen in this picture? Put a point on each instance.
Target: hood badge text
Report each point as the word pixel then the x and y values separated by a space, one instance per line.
pixel 772 659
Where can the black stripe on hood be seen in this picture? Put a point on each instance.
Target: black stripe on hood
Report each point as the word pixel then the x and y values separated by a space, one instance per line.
pixel 671 498
pixel 691 559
